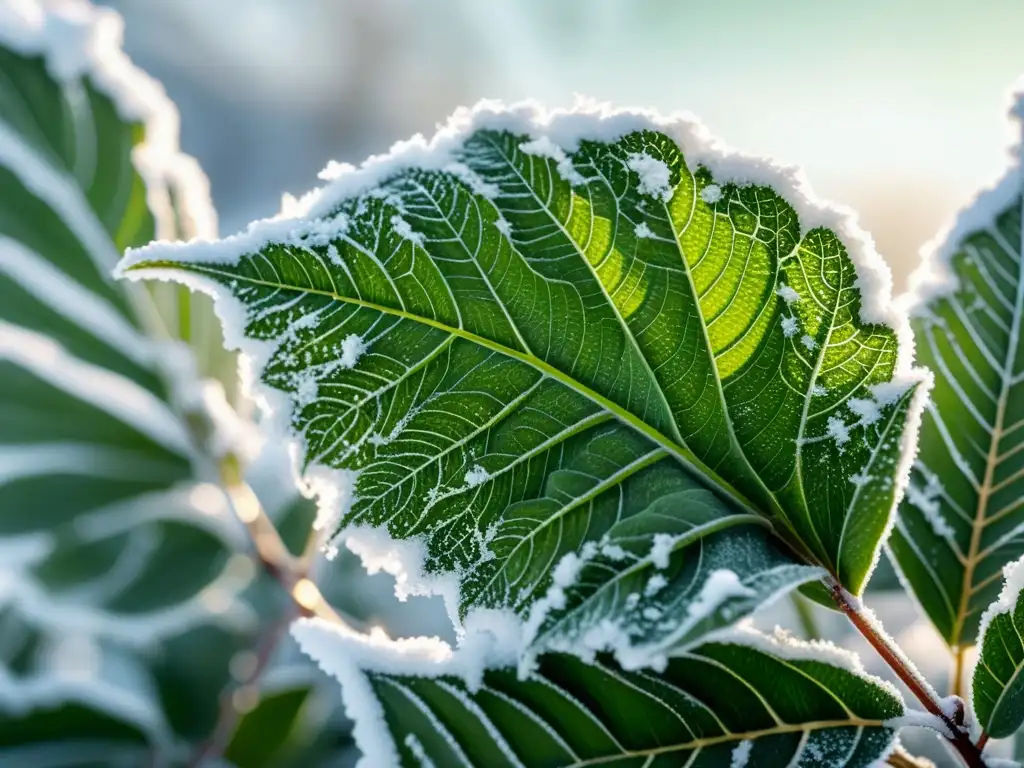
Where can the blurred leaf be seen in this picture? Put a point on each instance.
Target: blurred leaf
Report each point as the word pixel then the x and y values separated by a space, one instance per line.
pixel 963 516
pixel 114 548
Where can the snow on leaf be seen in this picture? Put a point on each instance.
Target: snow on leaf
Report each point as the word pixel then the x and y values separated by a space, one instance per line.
pixel 964 517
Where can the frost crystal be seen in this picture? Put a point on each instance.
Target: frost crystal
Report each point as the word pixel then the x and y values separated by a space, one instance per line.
pixel 927 501
pixel 655 177
pixel 477 475
pixel 661 549
pixel 838 430
pixel 418 751
pixel 721 585
pixel 404 230
pixel 741 754
pixel 352 348
pixel 787 294
pixel 544 147
pixel 655 584
pixel 711 194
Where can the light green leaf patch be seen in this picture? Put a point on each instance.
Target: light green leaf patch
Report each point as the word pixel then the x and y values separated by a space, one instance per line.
pixel 531 332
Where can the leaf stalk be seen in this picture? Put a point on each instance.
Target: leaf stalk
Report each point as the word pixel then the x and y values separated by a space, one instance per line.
pixel 894 657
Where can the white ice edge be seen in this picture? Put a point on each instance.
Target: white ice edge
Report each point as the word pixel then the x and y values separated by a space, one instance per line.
pixel 348 656
pixel 116 395
pixel 77 41
pixel 934 277
pixel 783 645
pixel 1013 585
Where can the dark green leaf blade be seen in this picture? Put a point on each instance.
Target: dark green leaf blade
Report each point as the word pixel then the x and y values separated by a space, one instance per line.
pixel 745 702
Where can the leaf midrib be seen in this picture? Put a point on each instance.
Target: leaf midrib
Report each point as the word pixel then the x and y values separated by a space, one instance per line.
pixel 626 330
pixel 678 452
pixel 699 744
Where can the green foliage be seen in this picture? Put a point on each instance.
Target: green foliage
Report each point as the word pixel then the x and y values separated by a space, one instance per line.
pixel 116 551
pixel 760 703
pixel 539 359
pixel 963 518
pixel 507 334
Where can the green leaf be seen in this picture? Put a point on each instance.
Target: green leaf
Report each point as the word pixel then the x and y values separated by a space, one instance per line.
pixel 962 517
pixel 112 543
pixel 998 683
pixel 467 324
pixel 754 702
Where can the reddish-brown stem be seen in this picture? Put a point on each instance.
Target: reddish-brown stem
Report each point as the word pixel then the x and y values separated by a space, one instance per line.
pixel 899 664
pixel 982 741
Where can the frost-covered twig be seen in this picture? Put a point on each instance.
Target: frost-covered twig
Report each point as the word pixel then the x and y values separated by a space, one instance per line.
pixel 271 551
pixel 892 654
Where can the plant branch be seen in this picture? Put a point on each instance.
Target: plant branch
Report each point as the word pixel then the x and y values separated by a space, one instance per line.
pixel 956 684
pixel 868 626
pixel 288 571
pixel 232 700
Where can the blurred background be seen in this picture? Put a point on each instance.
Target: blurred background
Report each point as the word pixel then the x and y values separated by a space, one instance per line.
pixel 895 109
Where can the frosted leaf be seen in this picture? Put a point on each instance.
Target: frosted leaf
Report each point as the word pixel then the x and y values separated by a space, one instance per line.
pixel 711 194
pixel 967 304
pixel 758 700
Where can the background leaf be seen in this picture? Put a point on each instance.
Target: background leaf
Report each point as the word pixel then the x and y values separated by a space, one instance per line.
pixel 962 518
pixel 117 562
